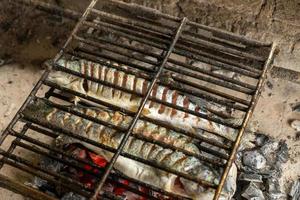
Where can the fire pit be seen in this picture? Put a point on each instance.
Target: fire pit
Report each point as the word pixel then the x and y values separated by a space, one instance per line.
pixel 184 69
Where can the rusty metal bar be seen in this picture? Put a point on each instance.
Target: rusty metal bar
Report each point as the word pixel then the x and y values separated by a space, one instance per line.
pixel 200 77
pixel 139 112
pixel 30 169
pixel 28 99
pixel 217 32
pixel 111 106
pixel 154 99
pixel 17 187
pixel 86 162
pixel 96 40
pixel 66 181
pixel 194 93
pixel 132 25
pixel 112 150
pixel 195 54
pixel 245 122
pixel 140 26
pixel 121 129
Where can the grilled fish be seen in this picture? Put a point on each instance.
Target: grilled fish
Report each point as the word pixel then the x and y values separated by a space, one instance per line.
pixel 42 112
pixel 131 102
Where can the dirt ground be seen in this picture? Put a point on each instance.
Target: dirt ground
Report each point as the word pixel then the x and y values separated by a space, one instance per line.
pixel 31 43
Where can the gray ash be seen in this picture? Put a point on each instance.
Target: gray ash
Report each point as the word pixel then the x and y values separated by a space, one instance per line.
pixel 260 169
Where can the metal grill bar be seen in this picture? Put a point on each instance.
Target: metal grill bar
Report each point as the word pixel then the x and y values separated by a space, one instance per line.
pixel 80 161
pixel 154 30
pixel 195 54
pixel 121 129
pixel 173 87
pixel 17 187
pixel 139 112
pixel 213 119
pixel 246 119
pixel 185 90
pixel 138 25
pixel 112 150
pixel 143 117
pixel 98 41
pixel 200 77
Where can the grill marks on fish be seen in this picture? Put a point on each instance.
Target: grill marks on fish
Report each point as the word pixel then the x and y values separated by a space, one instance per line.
pixel 129 82
pixel 42 112
pixel 131 102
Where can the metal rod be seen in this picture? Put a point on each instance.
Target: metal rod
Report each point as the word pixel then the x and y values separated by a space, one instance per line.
pixel 12 145
pixel 154 99
pixel 208 79
pixel 113 150
pixel 140 26
pixel 86 162
pixel 199 94
pixel 117 108
pixel 65 181
pixel 192 47
pixel 215 31
pixel 48 147
pixel 28 99
pixel 245 122
pixel 143 103
pixel 19 188
pixel 165 125
pixel 95 40
pixel 195 54
pixel 139 136
pixel 76 28
pixel 182 43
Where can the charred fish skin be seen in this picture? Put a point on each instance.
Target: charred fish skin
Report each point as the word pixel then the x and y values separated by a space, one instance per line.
pixel 178 161
pixel 132 102
pixel 90 129
pixel 109 137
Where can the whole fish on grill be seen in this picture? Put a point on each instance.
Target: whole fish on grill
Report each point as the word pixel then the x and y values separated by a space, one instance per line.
pixel 130 101
pixel 39 110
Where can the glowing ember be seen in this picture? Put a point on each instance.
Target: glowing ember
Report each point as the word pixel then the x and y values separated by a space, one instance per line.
pixel 115 185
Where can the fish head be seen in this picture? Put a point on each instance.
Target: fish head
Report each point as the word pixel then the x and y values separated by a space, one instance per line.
pixel 63 78
pixel 37 105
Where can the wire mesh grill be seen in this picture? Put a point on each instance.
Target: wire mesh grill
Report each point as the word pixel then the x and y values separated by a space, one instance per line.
pixel 168 54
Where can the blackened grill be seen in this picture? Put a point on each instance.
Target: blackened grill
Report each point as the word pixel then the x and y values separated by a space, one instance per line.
pixel 150 44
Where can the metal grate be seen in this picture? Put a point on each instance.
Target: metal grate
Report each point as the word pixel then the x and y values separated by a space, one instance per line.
pixel 166 51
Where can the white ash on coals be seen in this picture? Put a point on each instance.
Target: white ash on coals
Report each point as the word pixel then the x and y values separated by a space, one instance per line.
pixel 260 168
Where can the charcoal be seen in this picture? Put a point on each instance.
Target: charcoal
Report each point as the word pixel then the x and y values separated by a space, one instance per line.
pixel 277 196
pixel 253 192
pixel 254 159
pixel 269 151
pixel 261 139
pixel 283 153
pixel 42 185
pixel 273 185
pixel 295 191
pixel 50 164
pixel 72 196
pixel 250 177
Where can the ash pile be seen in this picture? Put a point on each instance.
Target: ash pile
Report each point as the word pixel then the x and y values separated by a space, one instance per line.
pixel 260 163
